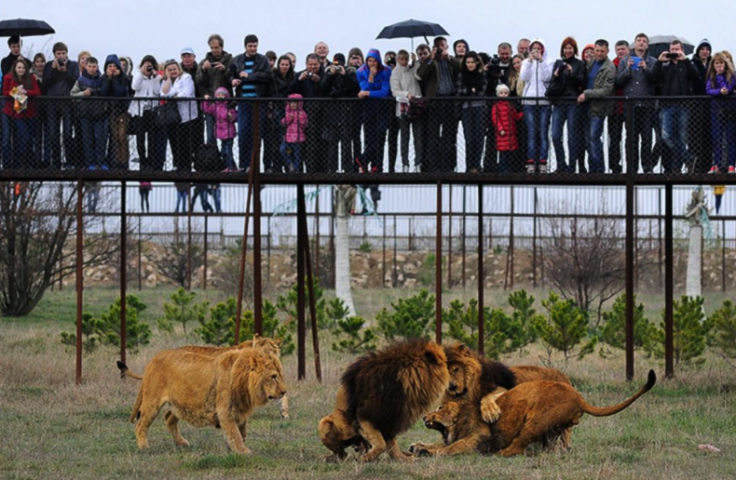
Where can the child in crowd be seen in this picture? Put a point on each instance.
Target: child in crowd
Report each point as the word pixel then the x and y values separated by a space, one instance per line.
pixel 504 117
pixel 295 120
pixel 720 84
pixel 144 188
pixel 93 115
pixel 225 118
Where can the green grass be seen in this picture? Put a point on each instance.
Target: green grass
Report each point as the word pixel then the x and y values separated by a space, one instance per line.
pixel 51 428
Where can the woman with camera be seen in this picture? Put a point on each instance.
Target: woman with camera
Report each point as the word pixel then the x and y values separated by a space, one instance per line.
pixel 536 74
pixel 150 138
pixel 181 134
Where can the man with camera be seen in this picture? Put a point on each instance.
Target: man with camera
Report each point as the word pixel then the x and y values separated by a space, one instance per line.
pixel 59 77
pixel 213 74
pixel 676 73
pixel 635 75
pixel 308 83
pixel 339 81
pixel 250 75
pixel 438 74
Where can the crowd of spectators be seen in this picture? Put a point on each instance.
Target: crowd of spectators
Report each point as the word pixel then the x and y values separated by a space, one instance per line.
pixel 510 106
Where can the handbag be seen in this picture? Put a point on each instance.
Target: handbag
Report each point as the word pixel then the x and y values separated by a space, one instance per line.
pixel 166 114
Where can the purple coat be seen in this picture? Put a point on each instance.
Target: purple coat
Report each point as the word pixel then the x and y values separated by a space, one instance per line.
pixel 225 117
pixel 722 106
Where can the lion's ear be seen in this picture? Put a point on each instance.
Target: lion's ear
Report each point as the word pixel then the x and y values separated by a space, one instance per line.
pixel 459 347
pixel 432 357
pixel 256 337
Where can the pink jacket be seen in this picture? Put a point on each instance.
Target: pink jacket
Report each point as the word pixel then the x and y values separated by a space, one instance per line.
pixel 225 117
pixel 295 120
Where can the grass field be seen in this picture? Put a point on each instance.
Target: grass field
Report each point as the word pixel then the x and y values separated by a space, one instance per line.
pixel 53 429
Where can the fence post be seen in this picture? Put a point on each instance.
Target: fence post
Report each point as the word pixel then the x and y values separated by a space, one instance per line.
pixel 140 253
pixel 438 268
pixel 463 235
pixel 534 241
pixel 449 244
pixel 723 258
pixel 80 277
pixel 300 252
pixel 204 257
pixel 123 270
pixel 383 273
pixel 481 276
pixel 394 276
pixel 669 292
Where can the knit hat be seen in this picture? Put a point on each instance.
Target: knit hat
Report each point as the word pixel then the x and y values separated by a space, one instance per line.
pixel 703 43
pixel 356 51
pixel 222 90
pixel 59 46
pixel 568 41
pixel 589 46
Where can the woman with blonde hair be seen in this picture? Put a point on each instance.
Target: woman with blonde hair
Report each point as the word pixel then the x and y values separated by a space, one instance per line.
pixel 720 82
pixel 181 134
pixel 516 84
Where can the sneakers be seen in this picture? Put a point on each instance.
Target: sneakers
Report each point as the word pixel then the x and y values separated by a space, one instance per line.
pixel 731 169
pixel 531 167
pixel 714 169
pixel 542 167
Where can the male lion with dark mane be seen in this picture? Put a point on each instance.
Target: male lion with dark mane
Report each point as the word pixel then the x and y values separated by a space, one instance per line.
pixel 220 391
pixel 268 345
pixel 381 395
pixel 537 411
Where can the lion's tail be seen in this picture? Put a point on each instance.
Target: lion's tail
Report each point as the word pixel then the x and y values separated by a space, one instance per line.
pixel 125 371
pixel 606 411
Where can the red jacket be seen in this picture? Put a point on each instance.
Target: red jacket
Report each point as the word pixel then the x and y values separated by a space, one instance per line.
pixel 8 84
pixel 504 117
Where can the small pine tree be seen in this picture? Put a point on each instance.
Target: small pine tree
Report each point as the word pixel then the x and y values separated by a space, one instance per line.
pixel 182 309
pixel 723 332
pixel 566 327
pixel 218 330
pixel 287 304
pixel 359 339
pixel 90 338
pixel 614 327
pixel 137 332
pixel 690 330
pixel 334 312
pixel 523 319
pixel 410 318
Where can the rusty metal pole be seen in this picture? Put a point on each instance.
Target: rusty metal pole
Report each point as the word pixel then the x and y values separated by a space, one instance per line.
pixel 629 327
pixel 255 166
pixel 123 270
pixel 204 272
pixel 140 254
pixel 300 314
pixel 190 205
pixel 310 287
pixel 383 278
pixel 511 243
pixel 534 242
pixel 394 275
pixel 481 276
pixel 80 277
pixel 438 268
pixel 316 239
pixel 723 259
pixel 669 289
pixel 244 246
pixel 449 244
pixel 332 247
pixel 463 234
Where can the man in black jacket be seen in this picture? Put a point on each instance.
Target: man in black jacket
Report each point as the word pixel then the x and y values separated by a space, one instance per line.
pixel 701 144
pixel 250 75
pixel 308 83
pixel 59 76
pixel 213 73
pixel 676 73
pixel 340 81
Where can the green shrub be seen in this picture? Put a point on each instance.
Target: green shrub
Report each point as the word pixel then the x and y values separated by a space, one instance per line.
pixel 564 329
pixel 358 339
pixel 690 330
pixel 723 332
pixel 365 247
pixel 410 318
pixel 462 325
pixel 614 327
pixel 287 304
pixel 137 332
pixel 524 318
pixel 90 338
pixel 182 309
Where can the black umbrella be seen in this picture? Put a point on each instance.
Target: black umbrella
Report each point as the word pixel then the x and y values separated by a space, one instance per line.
pixel 661 43
pixel 24 28
pixel 411 29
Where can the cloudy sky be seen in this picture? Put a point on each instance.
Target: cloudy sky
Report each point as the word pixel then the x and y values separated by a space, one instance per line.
pixel 162 28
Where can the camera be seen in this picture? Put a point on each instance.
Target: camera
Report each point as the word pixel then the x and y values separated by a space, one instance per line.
pixel 494 67
pixel 673 56
pixel 149 69
pixel 309 74
pixel 439 52
pixel 61 62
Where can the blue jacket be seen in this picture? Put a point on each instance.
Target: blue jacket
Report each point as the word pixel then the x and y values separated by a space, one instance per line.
pixel 116 86
pixel 380 87
pixel 58 83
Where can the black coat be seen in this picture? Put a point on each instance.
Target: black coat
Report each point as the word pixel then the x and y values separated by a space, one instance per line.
pixel 260 77
pixel 676 78
pixel 570 83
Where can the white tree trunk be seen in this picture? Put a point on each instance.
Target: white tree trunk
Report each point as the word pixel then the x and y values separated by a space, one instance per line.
pixel 342 246
pixel 692 287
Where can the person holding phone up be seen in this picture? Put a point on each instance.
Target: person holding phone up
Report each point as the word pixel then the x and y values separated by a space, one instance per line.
pixel 213 74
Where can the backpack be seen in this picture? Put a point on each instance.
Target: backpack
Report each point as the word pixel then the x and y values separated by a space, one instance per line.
pixel 207 158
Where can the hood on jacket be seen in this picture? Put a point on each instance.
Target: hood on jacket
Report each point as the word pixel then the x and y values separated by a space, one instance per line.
pixel 703 43
pixel 113 59
pixel 375 54
pixel 223 90
pixel 294 97
pixel 542 43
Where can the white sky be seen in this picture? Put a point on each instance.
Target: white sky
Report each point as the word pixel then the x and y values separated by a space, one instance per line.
pixel 136 27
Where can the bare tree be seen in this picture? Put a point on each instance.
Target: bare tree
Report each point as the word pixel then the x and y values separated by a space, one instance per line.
pixel 35 224
pixel 586 260
pixel 175 263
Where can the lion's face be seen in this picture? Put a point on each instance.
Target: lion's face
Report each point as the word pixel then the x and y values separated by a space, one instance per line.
pixel 443 419
pixel 272 384
pixel 465 370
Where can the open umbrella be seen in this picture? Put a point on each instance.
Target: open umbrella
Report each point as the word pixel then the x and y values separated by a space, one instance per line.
pixel 24 28
pixel 412 28
pixel 661 43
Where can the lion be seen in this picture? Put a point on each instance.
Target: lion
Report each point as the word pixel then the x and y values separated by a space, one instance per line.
pixel 271 346
pixel 381 395
pixel 536 411
pixel 220 391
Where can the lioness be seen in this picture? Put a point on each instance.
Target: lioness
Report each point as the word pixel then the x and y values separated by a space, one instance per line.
pixel 532 411
pixel 205 390
pixel 272 346
pixel 381 395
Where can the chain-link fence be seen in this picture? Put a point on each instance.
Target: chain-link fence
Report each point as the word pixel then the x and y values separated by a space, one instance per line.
pixel 682 135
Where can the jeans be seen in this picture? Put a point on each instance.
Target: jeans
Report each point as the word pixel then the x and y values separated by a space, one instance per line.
pixel 200 190
pixel 292 156
pixel 375 125
pixel 17 153
pixel 506 161
pixel 94 135
pixel 724 130
pixel 226 150
pixel 596 163
pixel 643 126
pixel 473 127
pixel 181 199
pixel 216 193
pixel 615 134
pixel 674 134
pixel 561 114
pixel 145 204
pixel 245 131
pixel 442 137
pixel 537 126
pixel 150 141
pixel 58 115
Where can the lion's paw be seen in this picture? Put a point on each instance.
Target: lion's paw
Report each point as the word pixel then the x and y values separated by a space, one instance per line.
pixel 419 449
pixel 490 411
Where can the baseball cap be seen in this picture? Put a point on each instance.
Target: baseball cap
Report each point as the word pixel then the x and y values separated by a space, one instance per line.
pixel 188 50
